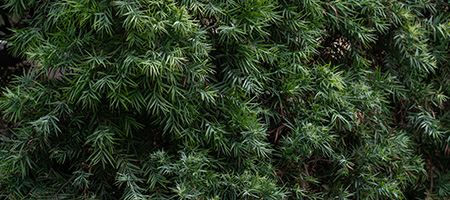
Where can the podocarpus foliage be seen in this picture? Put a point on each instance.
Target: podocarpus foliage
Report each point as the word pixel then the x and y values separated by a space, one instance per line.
pixel 240 99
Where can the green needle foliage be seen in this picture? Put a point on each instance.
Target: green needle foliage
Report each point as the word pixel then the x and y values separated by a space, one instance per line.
pixel 237 99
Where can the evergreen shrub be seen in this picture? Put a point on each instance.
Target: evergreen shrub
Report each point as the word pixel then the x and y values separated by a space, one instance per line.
pixel 236 99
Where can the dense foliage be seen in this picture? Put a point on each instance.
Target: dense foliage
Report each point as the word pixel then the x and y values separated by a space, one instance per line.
pixel 237 99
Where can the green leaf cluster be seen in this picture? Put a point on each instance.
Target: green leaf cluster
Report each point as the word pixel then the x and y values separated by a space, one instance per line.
pixel 238 99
